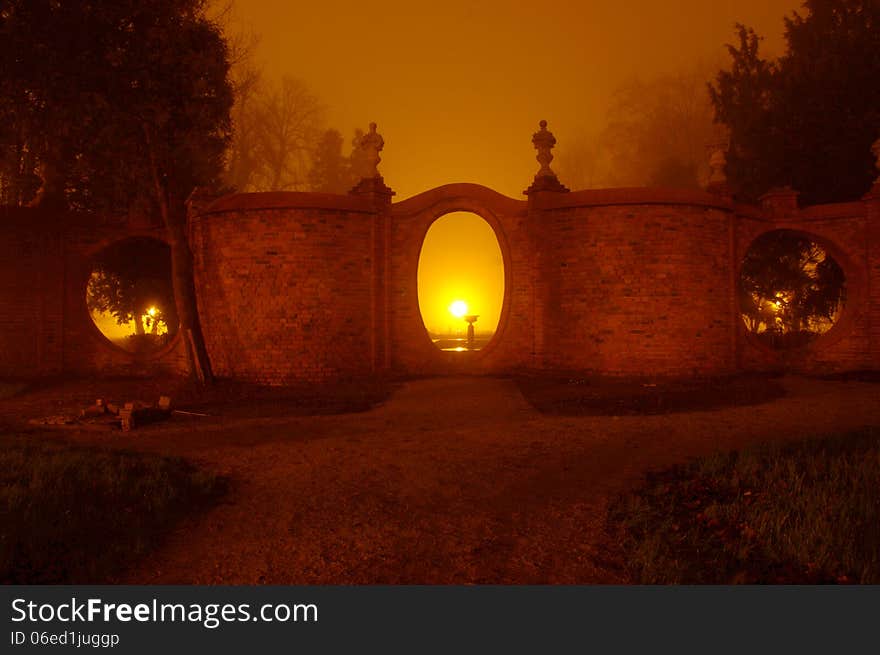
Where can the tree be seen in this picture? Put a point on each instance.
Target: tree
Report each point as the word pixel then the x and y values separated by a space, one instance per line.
pixel 132 282
pixel 808 119
pixel 331 171
pixel 658 129
pixel 277 127
pixel 246 79
pixel 582 162
pixel 790 288
pixel 123 104
pixel 356 165
pixel 655 134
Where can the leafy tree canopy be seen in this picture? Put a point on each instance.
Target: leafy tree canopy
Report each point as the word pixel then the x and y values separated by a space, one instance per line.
pixel 655 134
pixel 807 119
pixel 129 279
pixel 120 106
pixel 331 171
pixel 111 102
pixel 790 288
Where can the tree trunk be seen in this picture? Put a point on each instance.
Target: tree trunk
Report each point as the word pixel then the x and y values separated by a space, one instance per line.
pixel 185 297
pixel 50 195
pixel 182 279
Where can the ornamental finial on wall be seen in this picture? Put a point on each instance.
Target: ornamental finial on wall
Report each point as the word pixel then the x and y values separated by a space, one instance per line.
pixel 371 144
pixel 717 164
pixel 545 178
pixel 365 164
pixel 543 140
pixel 717 182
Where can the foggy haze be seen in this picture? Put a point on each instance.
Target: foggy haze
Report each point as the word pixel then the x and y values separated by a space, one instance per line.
pixel 458 87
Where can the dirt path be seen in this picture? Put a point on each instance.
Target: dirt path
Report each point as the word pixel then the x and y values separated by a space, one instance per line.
pixel 454 480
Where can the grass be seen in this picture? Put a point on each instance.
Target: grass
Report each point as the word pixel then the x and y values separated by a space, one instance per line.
pixel 803 513
pixel 74 515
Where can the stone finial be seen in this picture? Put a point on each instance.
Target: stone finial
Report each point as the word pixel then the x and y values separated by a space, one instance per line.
pixel 717 164
pixel 371 145
pixel 543 140
pixel 545 178
pixel 717 149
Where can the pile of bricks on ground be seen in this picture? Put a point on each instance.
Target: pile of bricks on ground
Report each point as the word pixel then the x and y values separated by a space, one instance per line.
pixel 126 416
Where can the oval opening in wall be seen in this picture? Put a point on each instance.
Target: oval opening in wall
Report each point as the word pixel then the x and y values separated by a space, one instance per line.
pixel 130 296
pixel 461 282
pixel 791 290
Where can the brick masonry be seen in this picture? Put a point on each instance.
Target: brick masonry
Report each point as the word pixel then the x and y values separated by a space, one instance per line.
pixel 45 327
pixel 315 287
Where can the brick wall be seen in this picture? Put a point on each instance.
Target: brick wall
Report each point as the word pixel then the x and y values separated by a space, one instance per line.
pixel 285 287
pixel 844 231
pixel 638 289
pixel 31 296
pixel 302 286
pixel 45 327
pixel 410 346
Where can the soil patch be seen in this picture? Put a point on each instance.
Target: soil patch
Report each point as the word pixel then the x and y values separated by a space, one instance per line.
pixel 57 397
pixel 597 396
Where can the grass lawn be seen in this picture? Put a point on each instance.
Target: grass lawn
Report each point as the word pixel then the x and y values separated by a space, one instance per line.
pixel 802 513
pixel 74 515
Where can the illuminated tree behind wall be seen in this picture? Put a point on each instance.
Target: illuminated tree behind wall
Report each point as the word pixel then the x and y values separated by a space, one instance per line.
pixel 132 282
pixel 791 290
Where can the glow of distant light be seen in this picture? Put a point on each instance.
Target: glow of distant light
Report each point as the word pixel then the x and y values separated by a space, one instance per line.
pixel 458 308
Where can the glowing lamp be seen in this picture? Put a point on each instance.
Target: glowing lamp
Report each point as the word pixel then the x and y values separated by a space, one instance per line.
pixel 458 308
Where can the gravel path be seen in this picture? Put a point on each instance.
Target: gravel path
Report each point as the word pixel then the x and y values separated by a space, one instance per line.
pixel 454 480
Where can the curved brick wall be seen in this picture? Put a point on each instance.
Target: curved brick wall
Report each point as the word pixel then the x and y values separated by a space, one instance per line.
pixel 312 287
pixel 639 282
pixel 284 286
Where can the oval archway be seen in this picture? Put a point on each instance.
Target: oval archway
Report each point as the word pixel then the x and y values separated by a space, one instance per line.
pixel 461 282
pixel 129 295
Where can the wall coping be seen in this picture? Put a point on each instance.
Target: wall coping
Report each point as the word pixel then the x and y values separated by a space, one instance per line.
pixel 287 200
pixel 855 209
pixel 630 196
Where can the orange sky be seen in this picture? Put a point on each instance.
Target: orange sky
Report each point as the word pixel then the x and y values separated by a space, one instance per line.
pixel 458 87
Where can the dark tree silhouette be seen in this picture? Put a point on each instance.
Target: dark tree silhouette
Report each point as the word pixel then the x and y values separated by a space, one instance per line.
pixel 131 278
pixel 121 104
pixel 808 119
pixel 330 171
pixel 791 290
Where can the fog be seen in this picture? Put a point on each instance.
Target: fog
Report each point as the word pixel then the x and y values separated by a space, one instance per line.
pixel 458 87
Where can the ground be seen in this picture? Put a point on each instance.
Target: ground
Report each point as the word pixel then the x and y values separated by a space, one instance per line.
pixel 451 480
